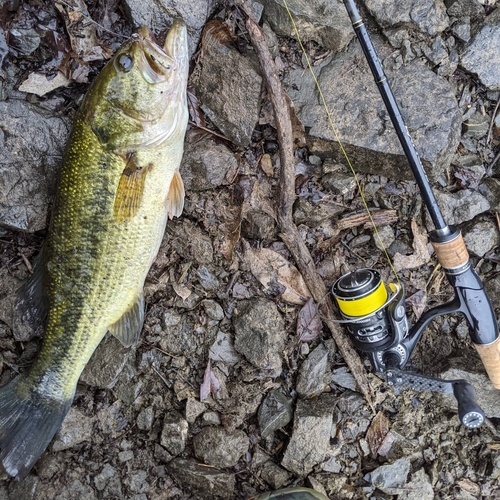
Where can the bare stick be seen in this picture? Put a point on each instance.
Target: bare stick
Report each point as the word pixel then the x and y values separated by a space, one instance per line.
pixel 289 233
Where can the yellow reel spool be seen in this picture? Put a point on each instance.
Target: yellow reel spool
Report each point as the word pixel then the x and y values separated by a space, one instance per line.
pixel 360 293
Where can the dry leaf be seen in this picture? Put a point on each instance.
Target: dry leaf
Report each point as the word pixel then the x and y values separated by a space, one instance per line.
pixel 82 32
pixel 210 383
pixel 38 84
pixel 270 268
pixel 181 290
pixel 377 432
pixel 417 301
pixel 421 255
pixel 309 323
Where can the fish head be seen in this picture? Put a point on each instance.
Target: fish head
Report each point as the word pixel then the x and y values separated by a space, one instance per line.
pixel 140 95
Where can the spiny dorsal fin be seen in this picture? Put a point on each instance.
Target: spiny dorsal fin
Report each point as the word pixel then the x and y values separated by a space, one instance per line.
pixel 175 198
pixel 130 189
pixel 128 328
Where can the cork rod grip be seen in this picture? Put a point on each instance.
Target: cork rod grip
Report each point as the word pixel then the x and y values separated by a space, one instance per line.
pixel 490 356
pixel 452 253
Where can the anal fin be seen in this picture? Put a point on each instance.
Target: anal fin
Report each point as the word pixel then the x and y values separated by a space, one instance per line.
pixel 128 328
pixel 31 300
pixel 175 198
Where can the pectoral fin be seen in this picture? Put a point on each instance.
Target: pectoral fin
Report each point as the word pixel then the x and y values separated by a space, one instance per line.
pixel 175 198
pixel 128 328
pixel 130 189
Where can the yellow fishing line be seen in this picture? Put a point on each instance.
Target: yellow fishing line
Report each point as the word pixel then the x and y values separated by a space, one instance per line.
pixel 337 138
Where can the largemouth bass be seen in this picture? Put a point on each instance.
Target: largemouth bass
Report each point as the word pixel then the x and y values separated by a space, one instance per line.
pixel 119 184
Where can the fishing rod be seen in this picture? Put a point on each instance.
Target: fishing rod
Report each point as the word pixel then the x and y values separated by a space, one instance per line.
pixel 375 315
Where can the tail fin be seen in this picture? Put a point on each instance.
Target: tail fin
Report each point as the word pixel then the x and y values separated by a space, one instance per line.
pixel 28 423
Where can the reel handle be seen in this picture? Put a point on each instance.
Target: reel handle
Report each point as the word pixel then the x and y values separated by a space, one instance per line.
pixel 469 412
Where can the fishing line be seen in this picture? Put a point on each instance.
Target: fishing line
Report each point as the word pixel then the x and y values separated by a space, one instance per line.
pixel 339 142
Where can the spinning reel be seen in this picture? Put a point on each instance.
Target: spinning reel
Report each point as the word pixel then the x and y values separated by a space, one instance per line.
pixel 374 316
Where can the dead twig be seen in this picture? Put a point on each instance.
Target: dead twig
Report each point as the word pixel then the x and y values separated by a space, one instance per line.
pixel 289 233
pixel 488 137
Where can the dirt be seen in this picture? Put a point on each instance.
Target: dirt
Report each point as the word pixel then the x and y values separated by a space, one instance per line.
pixel 140 430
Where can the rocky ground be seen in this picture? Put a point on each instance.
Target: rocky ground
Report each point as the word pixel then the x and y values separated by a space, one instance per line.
pixel 227 394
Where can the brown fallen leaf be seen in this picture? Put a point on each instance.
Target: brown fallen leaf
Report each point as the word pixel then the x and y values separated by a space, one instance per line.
pixel 210 383
pixel 82 31
pixel 309 324
pixel 417 301
pixel 377 432
pixel 421 255
pixel 271 268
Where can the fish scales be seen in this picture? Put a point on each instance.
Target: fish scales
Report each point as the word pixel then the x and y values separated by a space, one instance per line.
pixel 118 186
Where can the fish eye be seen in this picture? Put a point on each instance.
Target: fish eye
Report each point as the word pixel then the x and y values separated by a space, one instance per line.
pixel 125 62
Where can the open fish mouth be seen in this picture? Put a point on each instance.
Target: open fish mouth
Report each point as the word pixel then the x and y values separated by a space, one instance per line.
pixel 157 64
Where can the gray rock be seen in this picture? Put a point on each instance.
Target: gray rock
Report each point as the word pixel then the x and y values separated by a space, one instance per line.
pixel 327 23
pixel 419 488
pixel 391 478
pixel 33 141
pixel 257 225
pixel 75 429
pixel 190 241
pixel 427 103
pixel 125 456
pixel 101 480
pixel 223 349
pixel 159 14
pixel 24 41
pixel 312 372
pixel 138 482
pixel 490 189
pixel 342 377
pixel 145 418
pixel 211 418
pixel 310 439
pixel 106 363
pixel 205 164
pixel 274 475
pixel 228 87
pixel 274 413
pixel 204 482
pixel 486 395
pixel 481 237
pixel 213 309
pixel 461 206
pixel 174 433
pixel 260 333
pixel 23 490
pixel 481 53
pixel 463 8
pixel 461 30
pixel 477 126
pixel 217 447
pixel 384 238
pixel 207 280
pixel 339 182
pixel 179 339
pixel 194 409
pixel 427 16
